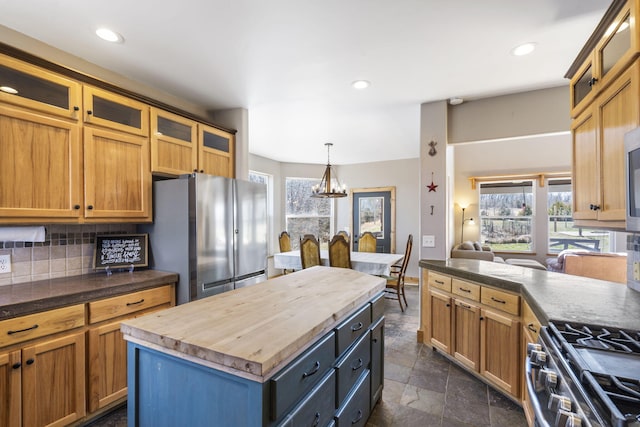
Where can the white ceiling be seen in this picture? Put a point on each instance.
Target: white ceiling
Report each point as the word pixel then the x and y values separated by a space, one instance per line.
pixel 290 63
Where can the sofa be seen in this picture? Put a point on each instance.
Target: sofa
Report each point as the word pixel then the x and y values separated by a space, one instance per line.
pixel 474 250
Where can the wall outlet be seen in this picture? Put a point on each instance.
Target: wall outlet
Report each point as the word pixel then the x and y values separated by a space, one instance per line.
pixel 5 264
pixel 429 241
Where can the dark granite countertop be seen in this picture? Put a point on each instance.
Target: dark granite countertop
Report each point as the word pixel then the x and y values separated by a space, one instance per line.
pixel 553 296
pixel 32 297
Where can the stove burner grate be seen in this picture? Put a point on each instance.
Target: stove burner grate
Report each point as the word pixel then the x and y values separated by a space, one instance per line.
pixel 601 338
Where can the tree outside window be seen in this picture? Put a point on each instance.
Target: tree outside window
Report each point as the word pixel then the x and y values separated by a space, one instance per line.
pixel 305 214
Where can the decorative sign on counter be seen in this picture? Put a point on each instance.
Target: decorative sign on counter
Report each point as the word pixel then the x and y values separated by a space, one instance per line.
pixel 121 251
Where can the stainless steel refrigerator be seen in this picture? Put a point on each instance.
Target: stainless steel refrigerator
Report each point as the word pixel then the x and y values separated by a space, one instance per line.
pixel 211 230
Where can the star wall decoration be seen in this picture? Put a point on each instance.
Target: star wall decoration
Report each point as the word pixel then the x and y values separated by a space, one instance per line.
pixel 432 186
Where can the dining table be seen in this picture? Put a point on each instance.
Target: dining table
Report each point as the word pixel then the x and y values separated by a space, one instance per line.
pixel 375 263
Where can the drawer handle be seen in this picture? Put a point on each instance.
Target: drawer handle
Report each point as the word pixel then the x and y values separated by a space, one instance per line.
pixel 465 290
pixel 439 282
pixel 315 369
pixel 360 363
pixel 316 420
pixel 498 300
pixel 358 418
pixel 22 330
pixel 531 328
pixel 135 303
pixel 468 307
pixel 356 327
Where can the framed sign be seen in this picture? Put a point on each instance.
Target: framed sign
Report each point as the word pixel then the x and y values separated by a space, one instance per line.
pixel 121 250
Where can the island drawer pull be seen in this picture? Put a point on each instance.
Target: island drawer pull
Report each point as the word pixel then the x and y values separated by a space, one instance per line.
pixel 501 301
pixel 531 328
pixel 135 303
pixel 315 369
pixel 356 327
pixel 360 363
pixel 358 418
pixel 468 307
pixel 22 330
pixel 439 282
pixel 464 289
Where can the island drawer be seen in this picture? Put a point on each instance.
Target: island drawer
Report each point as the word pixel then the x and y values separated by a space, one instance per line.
pixel 111 308
pixel 317 408
pixel 352 329
pixel 377 308
pixel 301 375
pixel 501 300
pixel 351 366
pixel 24 328
pixel 356 409
pixel 439 281
pixel 466 289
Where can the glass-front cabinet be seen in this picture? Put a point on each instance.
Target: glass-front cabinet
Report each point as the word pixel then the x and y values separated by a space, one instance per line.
pixel 613 53
pixel 113 111
pixel 35 88
pixel 216 151
pixel 174 141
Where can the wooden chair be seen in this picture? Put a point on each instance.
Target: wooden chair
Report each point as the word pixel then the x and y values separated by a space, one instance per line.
pixel 309 251
pixel 367 242
pixel 344 234
pixel 285 246
pixel 395 282
pixel 339 252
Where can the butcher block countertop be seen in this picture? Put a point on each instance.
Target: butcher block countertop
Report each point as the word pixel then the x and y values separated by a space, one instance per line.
pixel 33 297
pixel 254 331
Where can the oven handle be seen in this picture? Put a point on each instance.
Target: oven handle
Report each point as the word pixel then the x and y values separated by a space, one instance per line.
pixel 533 397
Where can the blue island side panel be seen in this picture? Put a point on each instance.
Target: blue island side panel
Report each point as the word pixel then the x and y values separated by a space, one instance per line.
pixel 168 391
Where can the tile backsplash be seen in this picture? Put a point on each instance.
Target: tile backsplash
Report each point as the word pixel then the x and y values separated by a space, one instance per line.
pixel 66 251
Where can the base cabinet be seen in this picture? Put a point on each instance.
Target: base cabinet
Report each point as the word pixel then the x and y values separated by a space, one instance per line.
pixel 500 360
pixel 441 321
pixel 466 344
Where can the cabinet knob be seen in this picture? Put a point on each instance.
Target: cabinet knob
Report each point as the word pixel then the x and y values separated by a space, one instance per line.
pixel 90 207
pixel 89 112
pixel 195 170
pixel 201 170
pixel 76 108
pixel 447 305
pixel 76 207
pixel 592 81
pixel 594 207
pixel 16 365
pixel 481 317
pixel 30 361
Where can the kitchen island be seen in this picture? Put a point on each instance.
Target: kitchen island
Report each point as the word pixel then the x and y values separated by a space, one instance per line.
pixel 301 348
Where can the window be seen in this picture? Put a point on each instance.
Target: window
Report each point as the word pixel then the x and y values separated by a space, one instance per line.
pixel 267 180
pixel 506 215
pixel 305 214
pixel 562 234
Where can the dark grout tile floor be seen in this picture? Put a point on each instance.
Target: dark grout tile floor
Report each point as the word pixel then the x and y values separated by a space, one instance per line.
pixel 421 387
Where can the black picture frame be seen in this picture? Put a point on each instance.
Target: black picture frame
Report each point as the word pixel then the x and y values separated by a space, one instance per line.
pixel 121 251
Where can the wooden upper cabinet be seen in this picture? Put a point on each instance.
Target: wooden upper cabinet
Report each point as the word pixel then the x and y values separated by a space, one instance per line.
pixel 174 143
pixel 40 167
pixel 616 49
pixel 103 108
pixel 586 185
pixel 216 152
pixel 37 89
pixel 117 177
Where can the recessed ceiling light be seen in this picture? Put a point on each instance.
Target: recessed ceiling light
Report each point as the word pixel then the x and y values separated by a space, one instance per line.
pixel 456 100
pixel 8 89
pixel 523 49
pixel 361 84
pixel 109 35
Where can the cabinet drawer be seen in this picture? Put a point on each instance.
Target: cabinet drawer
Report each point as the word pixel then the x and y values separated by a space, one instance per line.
pixel 439 281
pixel 466 289
pixel 110 308
pixel 351 366
pixel 301 375
pixel 352 329
pixel 501 300
pixel 377 308
pixel 530 321
pixel 317 408
pixel 37 325
pixel 356 409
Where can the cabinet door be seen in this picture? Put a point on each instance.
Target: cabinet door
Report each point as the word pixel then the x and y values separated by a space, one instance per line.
pixel 377 359
pixel 617 114
pixel 586 184
pixel 104 108
pixel 466 336
pixel 37 89
pixel 582 87
pixel 526 400
pixel 174 141
pixel 117 176
pixel 500 350
pixel 53 381
pixel 10 386
pixel 40 166
pixel 216 152
pixel 107 365
pixel 441 321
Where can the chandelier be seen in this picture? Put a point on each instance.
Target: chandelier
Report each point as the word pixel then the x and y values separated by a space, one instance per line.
pixel 329 185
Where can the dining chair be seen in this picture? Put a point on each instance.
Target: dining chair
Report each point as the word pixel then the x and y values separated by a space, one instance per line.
pixel 395 282
pixel 367 242
pixel 309 251
pixel 339 252
pixel 344 234
pixel 284 240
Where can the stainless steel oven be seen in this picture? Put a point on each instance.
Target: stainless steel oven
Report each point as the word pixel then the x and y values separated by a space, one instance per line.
pixel 584 375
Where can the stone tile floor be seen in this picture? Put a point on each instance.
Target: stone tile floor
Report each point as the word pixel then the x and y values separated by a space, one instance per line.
pixel 421 388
